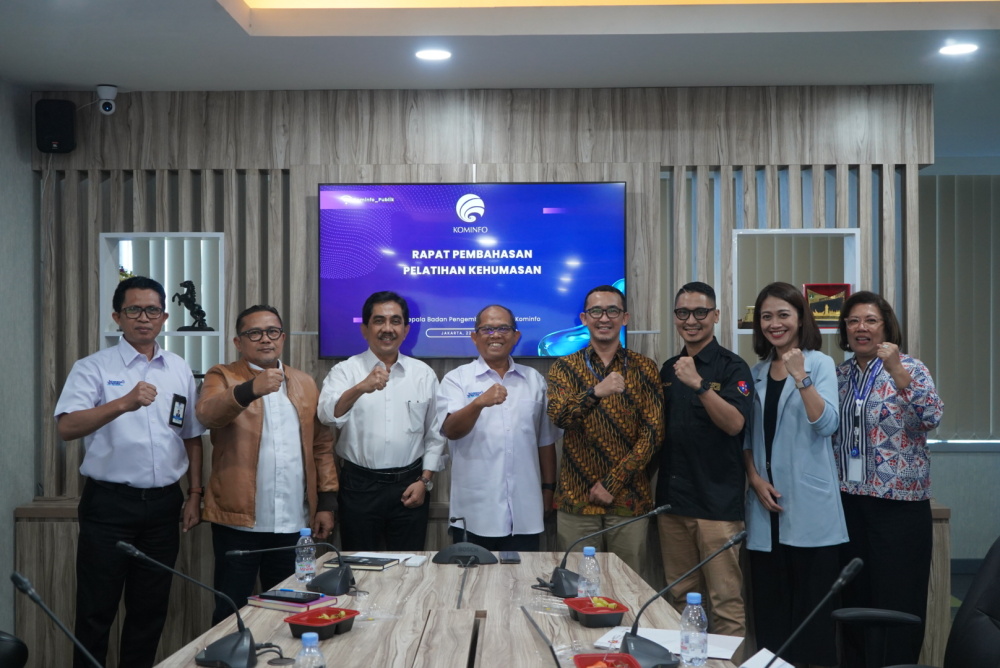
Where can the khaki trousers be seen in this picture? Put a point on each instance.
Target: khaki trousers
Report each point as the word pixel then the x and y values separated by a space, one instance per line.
pixel 628 542
pixel 684 541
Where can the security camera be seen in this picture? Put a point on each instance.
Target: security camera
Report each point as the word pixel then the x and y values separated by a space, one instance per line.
pixel 107 94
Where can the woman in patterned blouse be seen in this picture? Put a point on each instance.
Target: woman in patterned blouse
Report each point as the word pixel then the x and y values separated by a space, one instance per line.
pixel 888 403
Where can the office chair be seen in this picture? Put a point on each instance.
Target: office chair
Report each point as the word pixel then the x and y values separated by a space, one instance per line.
pixel 974 641
pixel 13 652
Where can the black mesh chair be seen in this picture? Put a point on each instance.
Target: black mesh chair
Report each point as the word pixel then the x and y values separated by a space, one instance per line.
pixel 974 641
pixel 13 652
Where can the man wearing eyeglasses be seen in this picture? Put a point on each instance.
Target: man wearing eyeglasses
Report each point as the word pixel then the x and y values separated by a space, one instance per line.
pixel 609 402
pixel 502 442
pixel 130 405
pixel 708 397
pixel 383 404
pixel 272 460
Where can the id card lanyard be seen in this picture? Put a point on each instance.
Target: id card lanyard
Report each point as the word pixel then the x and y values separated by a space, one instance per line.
pixel 860 396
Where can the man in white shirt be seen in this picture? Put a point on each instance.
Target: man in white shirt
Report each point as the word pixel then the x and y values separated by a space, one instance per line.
pixel 383 404
pixel 493 411
pixel 131 406
pixel 272 461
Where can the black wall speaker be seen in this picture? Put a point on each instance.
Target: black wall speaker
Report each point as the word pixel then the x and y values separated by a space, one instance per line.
pixel 55 129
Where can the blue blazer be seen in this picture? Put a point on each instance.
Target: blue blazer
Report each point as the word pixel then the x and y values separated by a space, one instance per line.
pixel 802 463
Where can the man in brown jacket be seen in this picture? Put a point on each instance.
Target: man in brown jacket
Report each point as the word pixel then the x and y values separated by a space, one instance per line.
pixel 272 461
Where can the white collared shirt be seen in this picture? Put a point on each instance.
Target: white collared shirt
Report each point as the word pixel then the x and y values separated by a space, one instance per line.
pixel 388 428
pixel 281 504
pixel 495 475
pixel 140 448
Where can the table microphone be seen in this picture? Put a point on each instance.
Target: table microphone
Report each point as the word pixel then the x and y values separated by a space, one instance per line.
pixel 846 575
pixel 24 585
pixel 334 582
pixel 564 582
pixel 648 652
pixel 236 650
pixel 464 553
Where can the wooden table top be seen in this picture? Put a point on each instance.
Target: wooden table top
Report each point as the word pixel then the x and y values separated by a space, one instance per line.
pixel 414 619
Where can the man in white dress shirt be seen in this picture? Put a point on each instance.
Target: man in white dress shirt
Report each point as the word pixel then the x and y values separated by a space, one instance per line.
pixel 272 461
pixel 131 405
pixel 383 403
pixel 493 411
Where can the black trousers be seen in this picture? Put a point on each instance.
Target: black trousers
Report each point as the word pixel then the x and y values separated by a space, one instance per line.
pixel 894 538
pixel 525 542
pixel 373 517
pixel 149 520
pixel 236 576
pixel 788 582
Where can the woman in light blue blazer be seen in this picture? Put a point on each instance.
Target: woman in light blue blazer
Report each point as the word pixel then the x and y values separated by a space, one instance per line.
pixel 793 513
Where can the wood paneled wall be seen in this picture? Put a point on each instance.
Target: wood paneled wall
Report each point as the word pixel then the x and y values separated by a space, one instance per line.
pixel 247 164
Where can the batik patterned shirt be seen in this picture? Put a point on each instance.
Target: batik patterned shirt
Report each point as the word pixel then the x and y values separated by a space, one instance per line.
pixel 611 440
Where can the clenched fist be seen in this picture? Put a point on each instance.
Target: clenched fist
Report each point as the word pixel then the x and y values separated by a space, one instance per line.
pixel 376 380
pixel 143 394
pixel 613 384
pixel 268 381
pixel 494 396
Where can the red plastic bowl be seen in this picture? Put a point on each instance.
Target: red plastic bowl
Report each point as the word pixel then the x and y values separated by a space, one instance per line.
pixel 613 660
pixel 311 620
pixel 584 611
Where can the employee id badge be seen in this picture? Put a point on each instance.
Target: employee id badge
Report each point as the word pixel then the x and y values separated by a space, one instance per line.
pixel 177 410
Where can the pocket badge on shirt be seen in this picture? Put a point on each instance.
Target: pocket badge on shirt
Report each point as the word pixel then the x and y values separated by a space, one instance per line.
pixel 177 410
pixel 743 388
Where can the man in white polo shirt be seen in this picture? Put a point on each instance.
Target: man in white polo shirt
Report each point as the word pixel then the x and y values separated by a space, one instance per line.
pixel 133 406
pixel 502 442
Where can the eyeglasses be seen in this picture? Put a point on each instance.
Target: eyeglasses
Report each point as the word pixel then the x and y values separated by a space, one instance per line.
pixel 133 312
pixel 597 312
pixel 255 335
pixel 685 313
pixel 854 323
pixel 503 330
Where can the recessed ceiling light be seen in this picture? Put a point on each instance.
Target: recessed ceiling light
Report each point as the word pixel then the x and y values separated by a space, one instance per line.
pixel 434 54
pixel 958 49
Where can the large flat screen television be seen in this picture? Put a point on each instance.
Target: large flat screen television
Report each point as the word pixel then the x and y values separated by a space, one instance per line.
pixel 452 248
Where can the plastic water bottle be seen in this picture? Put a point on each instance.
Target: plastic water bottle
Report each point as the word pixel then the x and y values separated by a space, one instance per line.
pixel 310 656
pixel 305 556
pixel 589 581
pixel 694 632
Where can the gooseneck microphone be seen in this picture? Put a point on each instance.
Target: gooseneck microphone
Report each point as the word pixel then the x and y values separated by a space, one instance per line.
pixel 849 572
pixel 650 653
pixel 236 650
pixel 464 554
pixel 334 582
pixel 24 586
pixel 563 583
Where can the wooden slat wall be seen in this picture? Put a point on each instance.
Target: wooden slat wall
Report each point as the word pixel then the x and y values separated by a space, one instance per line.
pixel 247 164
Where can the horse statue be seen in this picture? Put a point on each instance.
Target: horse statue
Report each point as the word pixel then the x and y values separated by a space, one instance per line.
pixel 189 300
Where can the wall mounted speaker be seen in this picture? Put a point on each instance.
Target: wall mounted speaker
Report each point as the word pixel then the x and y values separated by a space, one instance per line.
pixel 55 126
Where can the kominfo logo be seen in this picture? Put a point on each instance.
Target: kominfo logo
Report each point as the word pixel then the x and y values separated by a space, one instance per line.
pixel 470 208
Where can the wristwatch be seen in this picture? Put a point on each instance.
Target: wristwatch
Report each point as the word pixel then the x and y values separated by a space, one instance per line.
pixel 428 483
pixel 703 388
pixel 549 486
pixel 804 383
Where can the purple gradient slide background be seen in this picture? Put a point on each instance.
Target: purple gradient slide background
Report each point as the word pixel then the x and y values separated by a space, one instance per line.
pixel 576 232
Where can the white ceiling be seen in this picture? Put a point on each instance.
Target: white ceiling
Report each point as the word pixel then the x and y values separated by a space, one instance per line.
pixel 199 45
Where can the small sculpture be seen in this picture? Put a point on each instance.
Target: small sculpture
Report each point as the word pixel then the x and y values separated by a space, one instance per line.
pixel 189 300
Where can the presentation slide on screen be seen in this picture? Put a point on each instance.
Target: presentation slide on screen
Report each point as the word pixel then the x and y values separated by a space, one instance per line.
pixel 451 249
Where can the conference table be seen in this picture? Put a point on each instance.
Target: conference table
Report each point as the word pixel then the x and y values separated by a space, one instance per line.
pixel 444 616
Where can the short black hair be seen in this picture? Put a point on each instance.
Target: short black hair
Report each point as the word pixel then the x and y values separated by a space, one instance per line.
pixel 381 298
pixel 256 308
pixel 606 288
pixel 893 332
pixel 479 316
pixel 809 335
pixel 699 287
pixel 137 283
